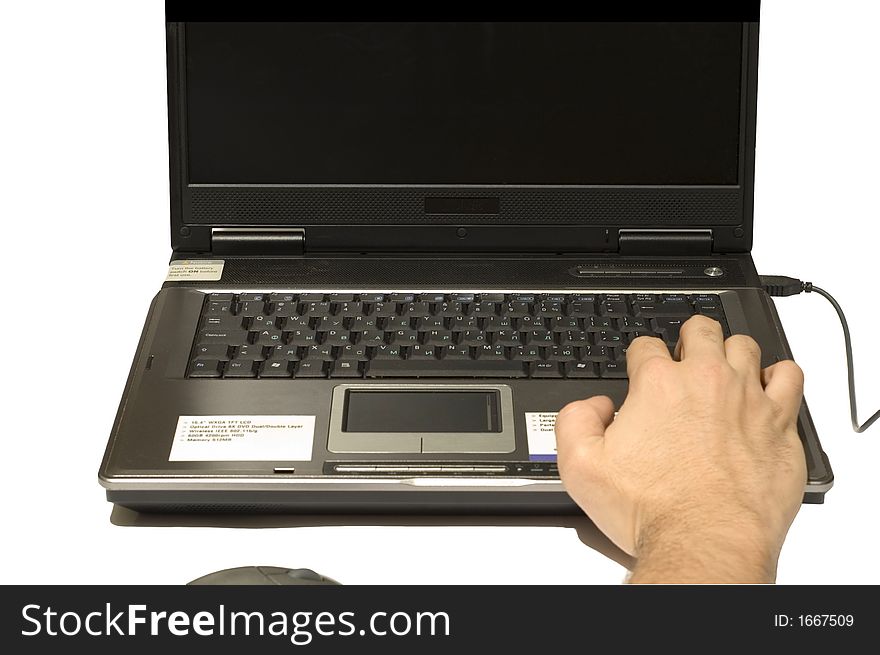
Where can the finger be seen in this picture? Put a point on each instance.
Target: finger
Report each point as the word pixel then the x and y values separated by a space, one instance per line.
pixel 641 350
pixel 744 355
pixel 701 337
pixel 581 425
pixel 784 385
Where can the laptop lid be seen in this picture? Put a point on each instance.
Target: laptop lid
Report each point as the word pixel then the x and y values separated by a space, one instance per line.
pixel 463 136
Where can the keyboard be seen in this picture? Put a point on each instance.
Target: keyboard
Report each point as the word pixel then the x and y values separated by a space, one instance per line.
pixel 318 335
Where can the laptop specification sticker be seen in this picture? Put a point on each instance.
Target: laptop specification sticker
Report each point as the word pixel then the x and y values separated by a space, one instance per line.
pixel 243 438
pixel 540 428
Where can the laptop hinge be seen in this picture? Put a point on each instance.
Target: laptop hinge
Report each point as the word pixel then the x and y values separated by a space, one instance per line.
pixel 665 242
pixel 284 242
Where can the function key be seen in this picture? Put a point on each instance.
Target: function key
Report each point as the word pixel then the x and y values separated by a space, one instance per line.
pixel 704 298
pixel 432 297
pixel 402 297
pixel 492 297
pixel 282 297
pixel 614 297
pixel 645 297
pixel 462 297
pixel 220 297
pixel 584 297
pixel 205 368
pixel 523 297
pixel 372 297
pixel 553 297
pixel 674 297
pixel 341 297
pixel 311 297
pixel 250 297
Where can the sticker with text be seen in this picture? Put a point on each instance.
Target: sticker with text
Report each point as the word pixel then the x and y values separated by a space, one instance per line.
pixel 243 438
pixel 542 437
pixel 202 270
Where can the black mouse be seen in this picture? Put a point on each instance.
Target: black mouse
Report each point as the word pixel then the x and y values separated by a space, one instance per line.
pixel 263 575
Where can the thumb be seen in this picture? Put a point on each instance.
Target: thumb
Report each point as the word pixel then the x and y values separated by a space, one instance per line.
pixel 580 430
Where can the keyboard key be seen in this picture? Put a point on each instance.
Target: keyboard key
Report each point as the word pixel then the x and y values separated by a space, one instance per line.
pixel 345 368
pixel 249 351
pixel 669 327
pixel 277 368
pixel 387 352
pixel 337 338
pixel 372 337
pixel 319 352
pixel 228 337
pixel 438 338
pixel 251 308
pixel 311 297
pixel 507 338
pixel 580 370
pixel 596 353
pixel 597 323
pixel 493 352
pixel 546 370
pixel 613 308
pixel 284 352
pixel 612 369
pixel 240 368
pixel 422 352
pixel 667 308
pixel 455 353
pixel 218 351
pixel 527 353
pixel 445 368
pixel 608 338
pixel 302 337
pixel 268 337
pixel 310 369
pixel 560 354
pixel 205 368
pixel 401 297
pixel 356 352
pixel 372 297
pixel 472 338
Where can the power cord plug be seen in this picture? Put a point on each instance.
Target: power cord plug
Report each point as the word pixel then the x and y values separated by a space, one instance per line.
pixel 781 286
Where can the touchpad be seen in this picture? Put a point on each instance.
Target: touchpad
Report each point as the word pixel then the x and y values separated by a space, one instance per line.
pixel 421 419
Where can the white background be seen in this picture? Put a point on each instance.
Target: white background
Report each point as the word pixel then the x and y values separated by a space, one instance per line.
pixel 85 244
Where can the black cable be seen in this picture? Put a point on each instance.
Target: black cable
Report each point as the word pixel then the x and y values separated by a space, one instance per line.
pixel 787 286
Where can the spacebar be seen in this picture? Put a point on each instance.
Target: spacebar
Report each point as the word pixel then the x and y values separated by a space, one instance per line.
pixel 439 369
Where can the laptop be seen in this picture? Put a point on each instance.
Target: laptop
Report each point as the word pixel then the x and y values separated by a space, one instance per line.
pixel 400 248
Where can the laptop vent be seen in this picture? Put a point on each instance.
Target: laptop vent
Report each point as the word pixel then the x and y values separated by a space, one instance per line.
pixel 300 206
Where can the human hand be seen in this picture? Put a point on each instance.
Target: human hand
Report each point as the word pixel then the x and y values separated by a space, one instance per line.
pixel 702 472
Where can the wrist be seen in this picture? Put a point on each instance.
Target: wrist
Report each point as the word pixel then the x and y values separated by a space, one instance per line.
pixel 718 548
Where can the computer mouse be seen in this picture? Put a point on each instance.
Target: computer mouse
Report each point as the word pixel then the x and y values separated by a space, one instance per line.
pixel 263 575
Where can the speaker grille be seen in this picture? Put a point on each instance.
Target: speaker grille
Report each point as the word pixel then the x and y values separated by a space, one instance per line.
pixel 353 206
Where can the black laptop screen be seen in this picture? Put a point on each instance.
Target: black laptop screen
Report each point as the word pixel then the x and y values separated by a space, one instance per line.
pixel 463 103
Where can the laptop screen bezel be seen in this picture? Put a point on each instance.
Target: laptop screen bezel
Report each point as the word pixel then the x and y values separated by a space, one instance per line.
pixel 459 225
